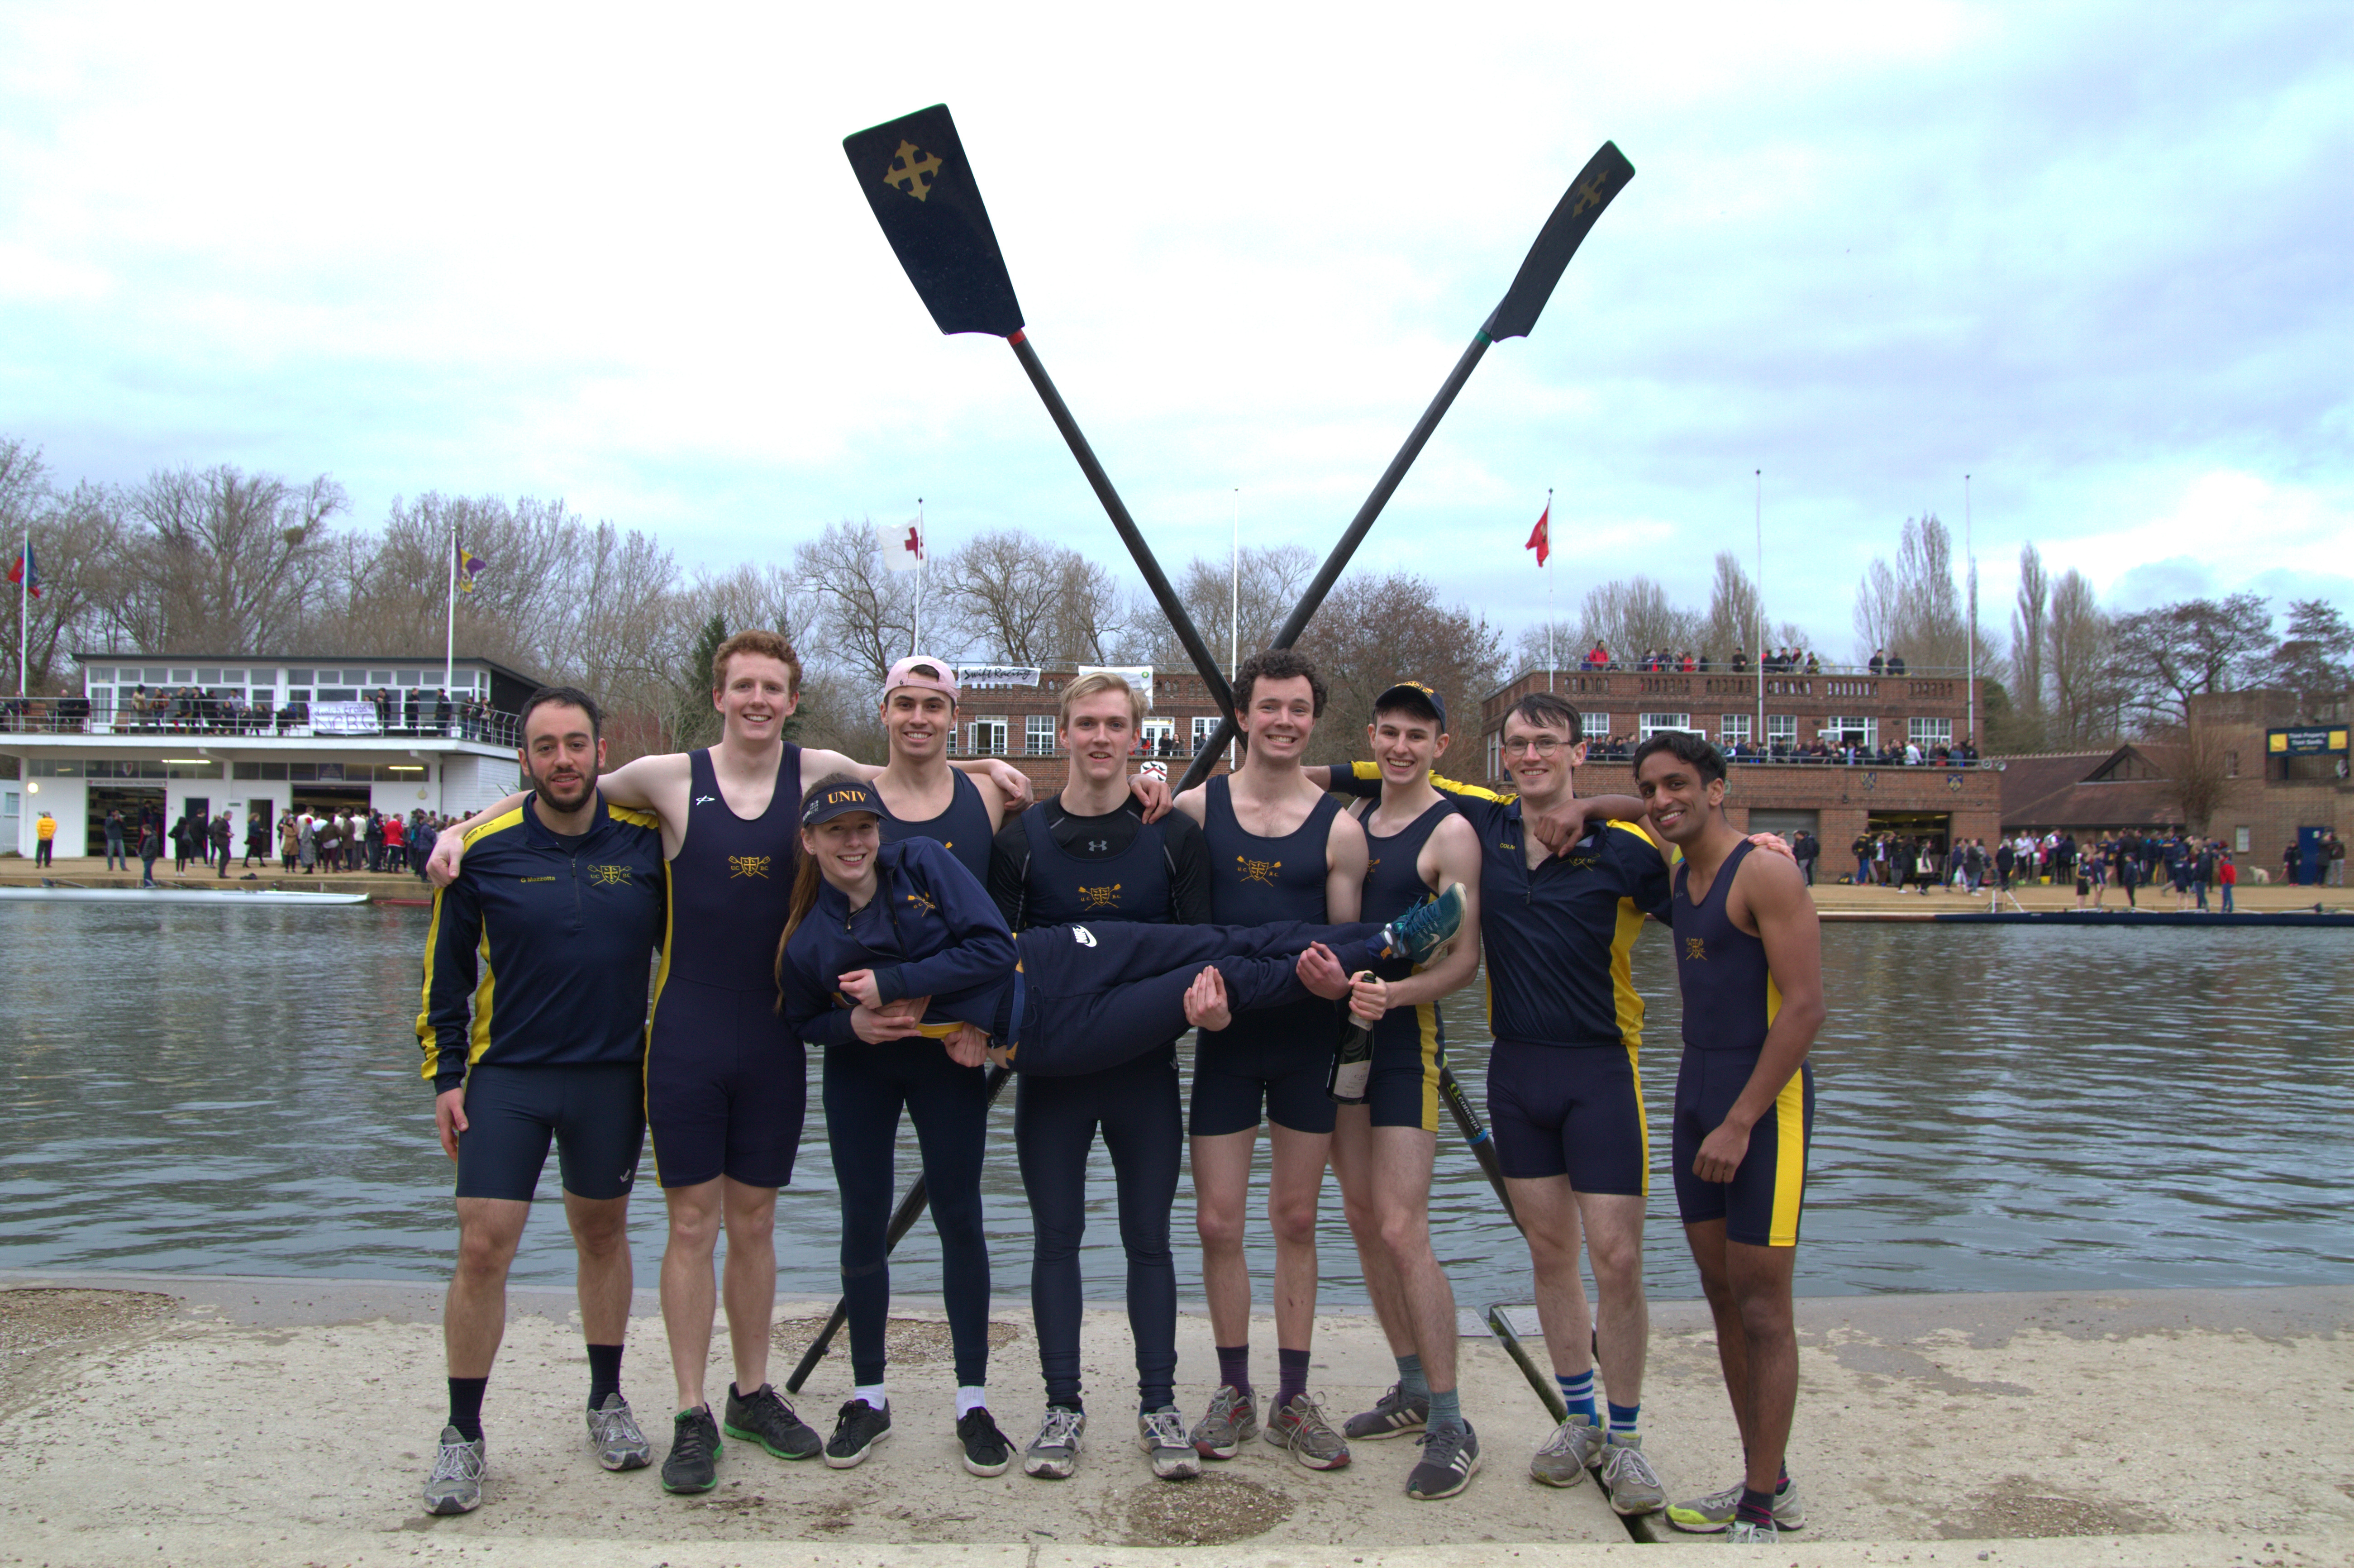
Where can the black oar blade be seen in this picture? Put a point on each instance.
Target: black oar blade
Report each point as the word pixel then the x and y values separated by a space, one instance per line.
pixel 1605 176
pixel 914 172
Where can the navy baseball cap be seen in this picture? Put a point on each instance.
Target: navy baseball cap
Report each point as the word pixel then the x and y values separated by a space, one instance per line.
pixel 840 800
pixel 1414 695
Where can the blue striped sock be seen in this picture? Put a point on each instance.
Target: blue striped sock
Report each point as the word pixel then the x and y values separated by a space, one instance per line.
pixel 1577 1392
pixel 1622 1420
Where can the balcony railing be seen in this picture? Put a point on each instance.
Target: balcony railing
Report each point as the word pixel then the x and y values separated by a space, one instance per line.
pixel 74 715
pixel 1630 684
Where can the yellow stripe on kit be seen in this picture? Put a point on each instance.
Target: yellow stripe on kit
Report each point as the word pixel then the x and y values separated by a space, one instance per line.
pixel 1642 1117
pixel 1789 1160
pixel 1425 1023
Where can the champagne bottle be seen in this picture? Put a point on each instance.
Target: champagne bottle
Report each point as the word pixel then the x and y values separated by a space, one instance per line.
pixel 1353 1063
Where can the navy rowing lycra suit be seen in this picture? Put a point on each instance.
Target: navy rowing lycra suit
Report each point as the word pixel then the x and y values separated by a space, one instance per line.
pixel 1051 866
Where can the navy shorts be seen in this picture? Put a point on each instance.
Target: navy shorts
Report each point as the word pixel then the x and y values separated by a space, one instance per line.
pixel 1275 1061
pixel 726 1087
pixel 594 1114
pixel 1760 1205
pixel 1570 1110
pixel 1409 1048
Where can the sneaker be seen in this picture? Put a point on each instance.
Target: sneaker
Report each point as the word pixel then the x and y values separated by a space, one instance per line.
pixel 1300 1426
pixel 456 1484
pixel 613 1432
pixel 1744 1533
pixel 693 1462
pixel 856 1429
pixel 1054 1454
pixel 1162 1434
pixel 1710 1514
pixel 1419 933
pixel 1574 1447
pixel 1393 1415
pixel 1627 1477
pixel 1231 1421
pixel 766 1418
pixel 1450 1457
pixel 987 1451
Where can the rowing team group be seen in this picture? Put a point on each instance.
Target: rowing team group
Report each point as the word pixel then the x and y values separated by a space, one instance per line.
pixel 919 925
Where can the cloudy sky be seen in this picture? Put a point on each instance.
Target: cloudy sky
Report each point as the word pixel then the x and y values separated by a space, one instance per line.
pixel 2096 257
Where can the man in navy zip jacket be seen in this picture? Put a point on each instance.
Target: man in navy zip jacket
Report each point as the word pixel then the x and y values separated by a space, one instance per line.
pixel 533 1027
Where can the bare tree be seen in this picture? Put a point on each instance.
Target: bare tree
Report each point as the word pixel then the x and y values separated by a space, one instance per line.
pixel 1374 632
pixel 1913 608
pixel 2027 621
pixel 1272 579
pixel 1634 615
pixel 1096 622
pixel 1734 610
pixel 2177 650
pixel 232 561
pixel 2079 659
pixel 77 546
pixel 866 612
pixel 2316 658
pixel 2196 776
pixel 1005 589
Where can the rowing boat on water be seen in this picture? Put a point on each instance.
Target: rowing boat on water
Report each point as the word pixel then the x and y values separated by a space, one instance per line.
pixel 56 895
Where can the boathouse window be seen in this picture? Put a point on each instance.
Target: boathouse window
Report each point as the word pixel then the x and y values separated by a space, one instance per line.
pixel 2232 770
pixel 1653 723
pixel 1782 729
pixel 1733 729
pixel 989 738
pixel 1926 733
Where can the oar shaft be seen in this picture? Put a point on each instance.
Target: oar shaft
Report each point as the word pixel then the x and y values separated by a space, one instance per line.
pixel 1154 578
pixel 1337 561
pixel 1483 1147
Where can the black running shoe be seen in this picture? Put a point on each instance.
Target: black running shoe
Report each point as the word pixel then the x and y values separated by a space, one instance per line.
pixel 1450 1457
pixel 766 1418
pixel 693 1462
pixel 987 1451
pixel 857 1429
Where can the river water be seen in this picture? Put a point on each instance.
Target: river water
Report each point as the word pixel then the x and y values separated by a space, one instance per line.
pixel 207 1090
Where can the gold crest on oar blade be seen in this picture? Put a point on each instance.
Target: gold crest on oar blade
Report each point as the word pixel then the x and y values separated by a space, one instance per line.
pixel 911 170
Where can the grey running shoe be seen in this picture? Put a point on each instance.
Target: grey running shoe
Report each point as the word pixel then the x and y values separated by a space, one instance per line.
pixel 1744 1533
pixel 1054 1454
pixel 1162 1434
pixel 1627 1477
pixel 767 1417
pixel 986 1450
pixel 1574 1447
pixel 1422 931
pixel 1450 1457
pixel 1300 1426
pixel 1393 1415
pixel 856 1430
pixel 1231 1421
pixel 613 1432
pixel 693 1462
pixel 456 1485
pixel 1710 1514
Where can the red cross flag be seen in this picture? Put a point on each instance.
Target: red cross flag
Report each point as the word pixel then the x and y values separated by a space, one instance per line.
pixel 902 545
pixel 1541 536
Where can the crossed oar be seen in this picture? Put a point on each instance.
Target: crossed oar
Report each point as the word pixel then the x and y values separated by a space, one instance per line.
pixel 916 178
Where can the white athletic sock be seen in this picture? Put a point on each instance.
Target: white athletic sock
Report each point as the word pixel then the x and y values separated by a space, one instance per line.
pixel 969 1398
pixel 873 1394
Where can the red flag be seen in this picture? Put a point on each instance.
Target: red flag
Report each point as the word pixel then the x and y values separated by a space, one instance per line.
pixel 1540 537
pixel 26 572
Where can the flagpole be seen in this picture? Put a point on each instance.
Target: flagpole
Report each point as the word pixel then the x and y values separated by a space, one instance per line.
pixel 1759 738
pixel 1550 659
pixel 916 630
pixel 450 644
pixel 1235 617
pixel 1970 671
pixel 25 613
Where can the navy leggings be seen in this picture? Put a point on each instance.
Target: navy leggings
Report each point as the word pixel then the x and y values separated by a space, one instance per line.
pixel 865 1085
pixel 1097 996
pixel 1055 1125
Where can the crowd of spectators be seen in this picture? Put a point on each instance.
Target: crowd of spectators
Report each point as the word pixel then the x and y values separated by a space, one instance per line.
pixel 304 842
pixel 191 710
pixel 1774 661
pixel 2127 859
pixel 1818 752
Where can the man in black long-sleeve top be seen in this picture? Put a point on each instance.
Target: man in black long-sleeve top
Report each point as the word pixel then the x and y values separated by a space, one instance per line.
pixel 533 1027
